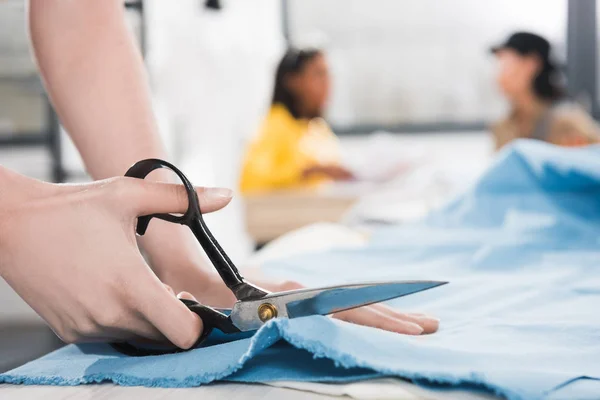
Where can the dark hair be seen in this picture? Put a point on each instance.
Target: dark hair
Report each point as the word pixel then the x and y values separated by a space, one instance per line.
pixel 546 84
pixel 292 62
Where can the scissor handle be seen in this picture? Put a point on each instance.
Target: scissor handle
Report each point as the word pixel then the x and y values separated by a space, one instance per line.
pixel 141 169
pixel 193 219
pixel 211 319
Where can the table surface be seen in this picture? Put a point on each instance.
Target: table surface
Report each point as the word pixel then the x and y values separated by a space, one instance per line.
pixel 230 391
pixel 271 215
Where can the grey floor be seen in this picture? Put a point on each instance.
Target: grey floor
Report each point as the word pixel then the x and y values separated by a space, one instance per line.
pixel 23 342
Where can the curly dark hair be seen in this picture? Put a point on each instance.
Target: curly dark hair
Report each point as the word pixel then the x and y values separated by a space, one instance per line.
pixel 292 63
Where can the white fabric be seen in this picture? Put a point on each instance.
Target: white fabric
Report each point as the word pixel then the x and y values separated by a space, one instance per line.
pixel 381 389
pixel 213 71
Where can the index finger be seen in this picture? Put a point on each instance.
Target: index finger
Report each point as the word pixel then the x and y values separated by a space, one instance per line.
pixel 152 197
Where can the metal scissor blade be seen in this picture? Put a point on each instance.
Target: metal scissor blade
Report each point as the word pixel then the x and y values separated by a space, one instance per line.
pixel 252 314
pixel 335 299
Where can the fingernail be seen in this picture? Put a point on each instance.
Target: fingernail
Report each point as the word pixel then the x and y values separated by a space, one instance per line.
pixel 219 192
pixel 186 296
pixel 428 319
pixel 414 329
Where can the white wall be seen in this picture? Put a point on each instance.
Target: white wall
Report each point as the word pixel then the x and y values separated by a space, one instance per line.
pixel 398 61
pixel 212 73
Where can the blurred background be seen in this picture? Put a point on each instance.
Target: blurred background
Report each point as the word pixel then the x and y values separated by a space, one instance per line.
pixel 412 96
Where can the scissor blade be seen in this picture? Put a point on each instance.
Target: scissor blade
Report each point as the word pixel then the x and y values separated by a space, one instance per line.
pixel 335 299
pixel 252 314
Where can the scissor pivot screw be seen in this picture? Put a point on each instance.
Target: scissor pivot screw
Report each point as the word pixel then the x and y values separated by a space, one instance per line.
pixel 266 312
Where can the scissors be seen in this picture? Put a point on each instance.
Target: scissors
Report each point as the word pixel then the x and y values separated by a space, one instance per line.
pixel 255 306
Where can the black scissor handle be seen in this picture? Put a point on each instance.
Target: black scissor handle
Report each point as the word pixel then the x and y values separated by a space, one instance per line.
pixel 141 169
pixel 211 319
pixel 193 219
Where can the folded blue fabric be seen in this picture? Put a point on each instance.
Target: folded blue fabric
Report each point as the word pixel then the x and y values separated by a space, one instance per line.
pixel 519 318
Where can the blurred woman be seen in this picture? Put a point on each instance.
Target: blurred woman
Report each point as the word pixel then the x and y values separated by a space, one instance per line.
pixel 294 146
pixel 539 108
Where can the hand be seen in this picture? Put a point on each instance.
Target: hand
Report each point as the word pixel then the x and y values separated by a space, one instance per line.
pixel 388 319
pixel 572 139
pixel 70 252
pixel 332 171
pixel 377 316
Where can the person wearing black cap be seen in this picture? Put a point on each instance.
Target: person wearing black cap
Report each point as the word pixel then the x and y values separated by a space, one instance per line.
pixel 540 110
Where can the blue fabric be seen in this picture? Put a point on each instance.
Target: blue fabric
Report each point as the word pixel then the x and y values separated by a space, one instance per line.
pixel 520 317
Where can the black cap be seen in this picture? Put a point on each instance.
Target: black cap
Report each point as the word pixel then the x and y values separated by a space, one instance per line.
pixel 526 43
pixel 213 4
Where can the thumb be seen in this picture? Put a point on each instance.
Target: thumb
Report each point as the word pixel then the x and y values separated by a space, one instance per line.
pixel 166 313
pixel 157 197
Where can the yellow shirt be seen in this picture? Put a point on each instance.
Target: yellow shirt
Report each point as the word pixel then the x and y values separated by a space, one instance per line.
pixel 284 148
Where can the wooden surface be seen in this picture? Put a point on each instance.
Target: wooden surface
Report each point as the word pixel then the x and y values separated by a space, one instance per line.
pixel 229 391
pixel 269 216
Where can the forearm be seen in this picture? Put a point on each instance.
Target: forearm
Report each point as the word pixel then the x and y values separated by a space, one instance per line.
pixel 96 80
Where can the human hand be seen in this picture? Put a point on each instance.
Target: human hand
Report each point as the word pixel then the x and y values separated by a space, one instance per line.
pixel 376 316
pixel 572 139
pixel 214 293
pixel 70 252
pixel 383 317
